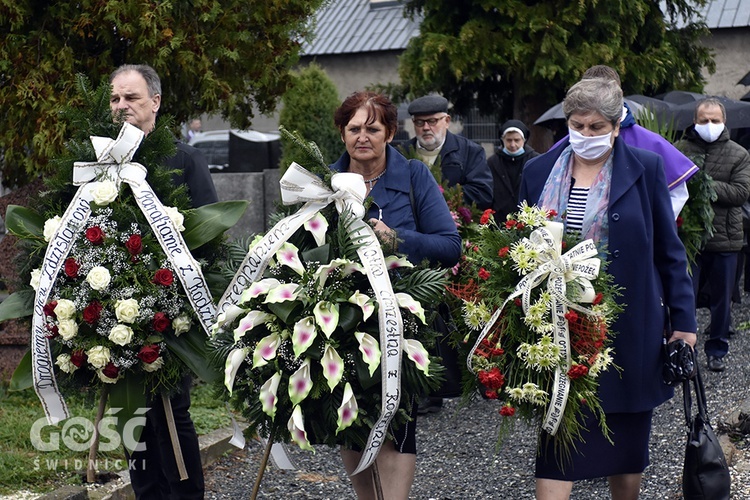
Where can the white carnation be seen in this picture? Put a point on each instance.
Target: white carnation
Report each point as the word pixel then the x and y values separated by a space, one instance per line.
pixel 104 192
pixel 127 310
pixel 50 227
pixel 176 217
pixel 98 278
pixel 121 335
pixel 98 356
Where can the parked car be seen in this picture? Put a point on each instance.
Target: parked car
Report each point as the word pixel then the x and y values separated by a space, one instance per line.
pixel 239 150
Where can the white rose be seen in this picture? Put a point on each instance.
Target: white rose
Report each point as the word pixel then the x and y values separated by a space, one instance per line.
pixel 152 367
pixel 36 276
pixel 121 335
pixel 67 328
pixel 104 192
pixel 65 309
pixel 63 361
pixel 50 226
pixel 126 310
pixel 98 356
pixel 181 324
pixel 98 278
pixel 105 378
pixel 176 217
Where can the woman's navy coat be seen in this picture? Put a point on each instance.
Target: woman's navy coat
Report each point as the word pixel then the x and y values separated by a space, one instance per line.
pixel 647 259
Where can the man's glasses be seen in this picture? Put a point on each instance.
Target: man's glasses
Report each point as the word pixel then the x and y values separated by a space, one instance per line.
pixel 430 121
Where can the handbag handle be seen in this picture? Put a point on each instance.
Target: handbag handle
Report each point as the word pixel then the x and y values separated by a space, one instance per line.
pixel 700 398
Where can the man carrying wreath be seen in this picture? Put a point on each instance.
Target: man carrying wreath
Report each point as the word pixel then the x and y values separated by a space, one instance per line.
pixel 136 98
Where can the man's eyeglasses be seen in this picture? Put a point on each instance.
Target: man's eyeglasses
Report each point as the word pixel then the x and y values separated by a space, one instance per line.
pixel 430 121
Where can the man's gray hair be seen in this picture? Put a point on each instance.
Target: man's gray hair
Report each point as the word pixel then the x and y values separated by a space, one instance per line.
pixel 153 83
pixel 595 95
pixel 710 101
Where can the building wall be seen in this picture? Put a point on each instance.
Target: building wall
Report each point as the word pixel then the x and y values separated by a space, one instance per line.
pixel 731 48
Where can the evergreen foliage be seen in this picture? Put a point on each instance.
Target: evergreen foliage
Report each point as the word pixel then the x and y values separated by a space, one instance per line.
pixel 230 58
pixel 520 57
pixel 309 106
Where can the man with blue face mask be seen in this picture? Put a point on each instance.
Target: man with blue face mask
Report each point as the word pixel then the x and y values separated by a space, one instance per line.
pixel 728 164
pixel 506 166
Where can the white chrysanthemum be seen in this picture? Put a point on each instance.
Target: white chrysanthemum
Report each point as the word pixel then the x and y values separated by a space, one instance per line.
pixel 476 314
pixel 602 362
pixel 531 215
pixel 515 393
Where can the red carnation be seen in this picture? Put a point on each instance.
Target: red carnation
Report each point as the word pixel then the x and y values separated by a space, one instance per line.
pixel 484 273
pixel 485 219
pixel 49 309
pixel 160 322
pixel 571 316
pixel 163 277
pixel 78 358
pixel 552 213
pixel 578 371
pixel 507 411
pixel 490 394
pixel 503 252
pixel 134 244
pixel 71 267
pixel 92 312
pixel 510 224
pixel 148 353
pixel 492 379
pixel 598 298
pixel 95 235
pixel 520 226
pixel 680 221
pixel 111 370
pixel 517 301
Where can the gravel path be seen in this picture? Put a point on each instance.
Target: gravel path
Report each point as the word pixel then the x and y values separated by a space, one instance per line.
pixel 458 459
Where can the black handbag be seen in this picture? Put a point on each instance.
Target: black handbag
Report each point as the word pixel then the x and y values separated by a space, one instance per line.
pixel 705 475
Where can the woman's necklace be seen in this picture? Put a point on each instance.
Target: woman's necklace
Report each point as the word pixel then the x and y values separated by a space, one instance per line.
pixel 374 179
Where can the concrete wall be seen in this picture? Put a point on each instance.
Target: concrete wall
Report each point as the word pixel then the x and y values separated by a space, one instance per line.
pixel 261 189
pixel 731 48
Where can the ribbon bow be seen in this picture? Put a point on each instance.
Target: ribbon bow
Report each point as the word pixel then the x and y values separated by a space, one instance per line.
pixel 579 265
pixel 113 159
pixel 298 185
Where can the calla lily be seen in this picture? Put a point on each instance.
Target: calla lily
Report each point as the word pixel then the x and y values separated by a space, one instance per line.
pixel 234 360
pixel 250 321
pixel 326 316
pixel 333 367
pixel 406 301
pixel 303 336
pixel 345 267
pixel 296 426
pixel 288 256
pixel 282 293
pixel 266 350
pixel 268 395
pixel 392 262
pixel 300 383
pixel 258 288
pixel 228 316
pixel 417 353
pixel 364 302
pixel 348 410
pixel 370 350
pixel 318 226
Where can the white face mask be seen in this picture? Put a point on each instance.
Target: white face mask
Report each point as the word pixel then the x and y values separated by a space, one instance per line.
pixel 709 132
pixel 590 148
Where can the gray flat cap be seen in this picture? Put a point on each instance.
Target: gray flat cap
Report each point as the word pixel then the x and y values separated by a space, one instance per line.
pixel 428 105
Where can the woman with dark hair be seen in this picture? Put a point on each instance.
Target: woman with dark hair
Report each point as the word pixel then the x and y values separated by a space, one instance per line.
pixel 410 216
pixel 506 166
pixel 616 195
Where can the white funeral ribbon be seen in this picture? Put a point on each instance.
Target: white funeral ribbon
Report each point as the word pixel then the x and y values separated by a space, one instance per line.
pixel 113 163
pixel 579 263
pixel 301 186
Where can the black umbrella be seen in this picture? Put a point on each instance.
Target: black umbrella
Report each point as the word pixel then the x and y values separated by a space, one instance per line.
pixel 738 112
pixel 556 113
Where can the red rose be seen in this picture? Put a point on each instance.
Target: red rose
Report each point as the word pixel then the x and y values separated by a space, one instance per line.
pixel 71 267
pixel 160 322
pixel 148 353
pixel 134 244
pixel 78 358
pixel 51 330
pixel 163 277
pixel 679 221
pixel 492 379
pixel 485 219
pixel 507 411
pixel 484 273
pixel 95 235
pixel 578 371
pixel 489 394
pixel 111 370
pixel 92 312
pixel 503 252
pixel 517 301
pixel 49 309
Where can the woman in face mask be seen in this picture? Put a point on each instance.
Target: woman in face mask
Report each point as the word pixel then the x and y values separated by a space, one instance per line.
pixel 616 195
pixel 506 166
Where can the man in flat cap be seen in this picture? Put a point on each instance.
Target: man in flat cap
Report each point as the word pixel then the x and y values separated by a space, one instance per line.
pixel 461 160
